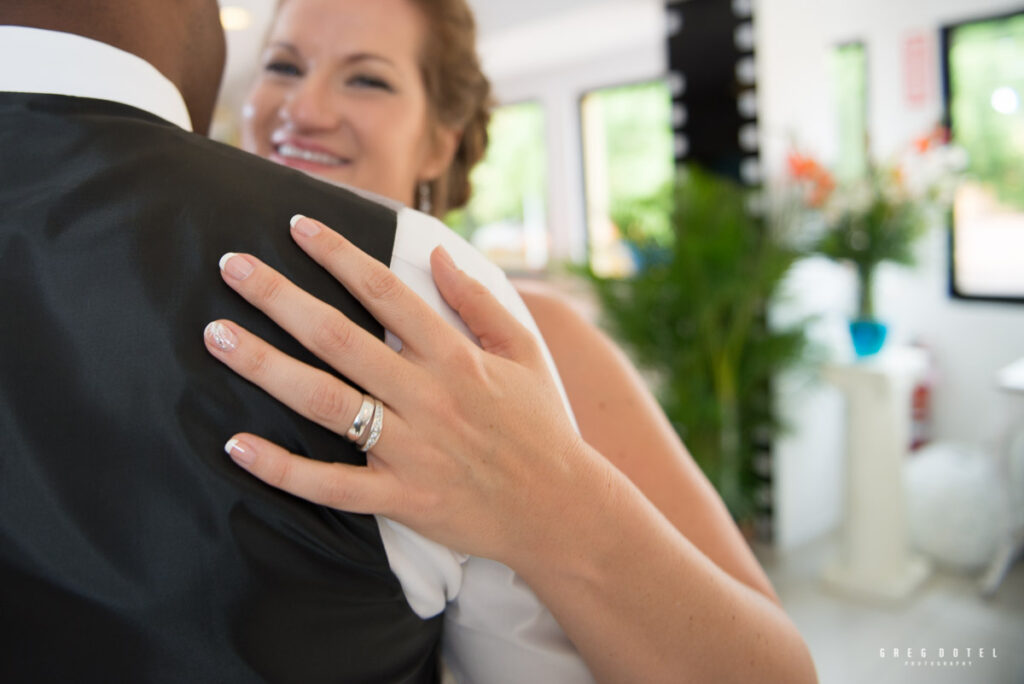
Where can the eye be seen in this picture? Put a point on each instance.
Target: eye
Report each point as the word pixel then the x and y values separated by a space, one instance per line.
pixel 282 68
pixel 367 81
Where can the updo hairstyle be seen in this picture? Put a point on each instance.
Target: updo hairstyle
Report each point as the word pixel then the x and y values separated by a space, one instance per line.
pixel 458 95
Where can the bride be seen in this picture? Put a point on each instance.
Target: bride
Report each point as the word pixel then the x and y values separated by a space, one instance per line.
pixel 615 528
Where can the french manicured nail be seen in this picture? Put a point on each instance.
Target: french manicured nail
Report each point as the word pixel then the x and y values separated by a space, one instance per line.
pixel 304 226
pixel 445 256
pixel 240 451
pixel 221 336
pixel 236 266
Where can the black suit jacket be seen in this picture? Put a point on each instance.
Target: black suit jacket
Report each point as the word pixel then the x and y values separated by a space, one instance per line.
pixel 131 548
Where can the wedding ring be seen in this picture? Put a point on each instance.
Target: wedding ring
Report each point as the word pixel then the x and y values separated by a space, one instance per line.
pixel 376 425
pixel 357 430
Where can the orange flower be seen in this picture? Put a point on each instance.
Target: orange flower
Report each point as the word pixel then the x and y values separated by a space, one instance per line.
pixel 939 135
pixel 821 189
pixel 819 180
pixel 801 166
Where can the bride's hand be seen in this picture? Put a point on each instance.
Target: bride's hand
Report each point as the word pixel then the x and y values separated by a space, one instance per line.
pixel 478 454
pixel 476 450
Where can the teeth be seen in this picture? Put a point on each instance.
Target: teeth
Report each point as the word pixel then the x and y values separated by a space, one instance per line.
pixel 286 150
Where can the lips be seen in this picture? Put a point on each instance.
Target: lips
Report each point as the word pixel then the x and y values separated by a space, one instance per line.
pixel 287 151
pixel 304 155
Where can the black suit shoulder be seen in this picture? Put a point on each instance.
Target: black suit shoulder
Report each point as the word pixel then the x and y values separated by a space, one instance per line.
pixel 133 549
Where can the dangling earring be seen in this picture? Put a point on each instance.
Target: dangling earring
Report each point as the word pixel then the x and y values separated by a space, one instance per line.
pixel 424 203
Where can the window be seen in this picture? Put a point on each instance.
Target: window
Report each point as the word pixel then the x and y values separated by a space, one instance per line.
pixel 849 69
pixel 983 84
pixel 506 215
pixel 627 156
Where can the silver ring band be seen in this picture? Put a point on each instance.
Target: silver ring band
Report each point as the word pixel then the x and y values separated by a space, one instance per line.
pixel 376 425
pixel 357 430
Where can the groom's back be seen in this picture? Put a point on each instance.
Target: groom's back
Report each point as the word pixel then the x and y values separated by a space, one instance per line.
pixel 131 549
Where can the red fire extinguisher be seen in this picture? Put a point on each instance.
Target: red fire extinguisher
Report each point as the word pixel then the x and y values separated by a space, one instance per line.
pixel 921 404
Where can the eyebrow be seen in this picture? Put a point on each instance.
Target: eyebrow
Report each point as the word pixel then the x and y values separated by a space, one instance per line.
pixel 357 57
pixel 281 44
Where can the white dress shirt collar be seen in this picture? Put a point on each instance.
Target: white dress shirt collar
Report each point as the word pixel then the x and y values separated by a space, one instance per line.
pixel 59 63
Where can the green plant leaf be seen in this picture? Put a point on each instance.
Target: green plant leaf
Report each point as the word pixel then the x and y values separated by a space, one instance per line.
pixel 694 317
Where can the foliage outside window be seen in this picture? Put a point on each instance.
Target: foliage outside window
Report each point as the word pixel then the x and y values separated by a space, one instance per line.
pixel 627 155
pixel 984 89
pixel 506 215
pixel 849 71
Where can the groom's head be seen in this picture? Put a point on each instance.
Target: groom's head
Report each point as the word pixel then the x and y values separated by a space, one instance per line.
pixel 183 39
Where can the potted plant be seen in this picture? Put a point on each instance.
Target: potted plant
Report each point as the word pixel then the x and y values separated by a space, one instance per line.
pixel 693 315
pixel 878 217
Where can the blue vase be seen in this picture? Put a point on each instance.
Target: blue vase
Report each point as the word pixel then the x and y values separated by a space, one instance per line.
pixel 868 336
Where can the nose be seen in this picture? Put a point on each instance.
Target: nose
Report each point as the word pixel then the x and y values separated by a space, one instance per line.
pixel 309 105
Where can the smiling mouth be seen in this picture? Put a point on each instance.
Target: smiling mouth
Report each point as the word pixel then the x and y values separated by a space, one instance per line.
pixel 289 152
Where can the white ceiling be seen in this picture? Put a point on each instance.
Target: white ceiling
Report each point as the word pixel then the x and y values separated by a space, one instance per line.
pixel 494 16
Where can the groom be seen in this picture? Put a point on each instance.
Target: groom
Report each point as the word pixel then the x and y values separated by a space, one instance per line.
pixel 131 549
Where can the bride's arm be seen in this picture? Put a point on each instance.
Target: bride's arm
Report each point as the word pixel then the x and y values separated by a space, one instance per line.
pixel 620 418
pixel 477 453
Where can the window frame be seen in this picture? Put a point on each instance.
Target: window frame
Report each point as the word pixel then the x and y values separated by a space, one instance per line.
pixel 945 34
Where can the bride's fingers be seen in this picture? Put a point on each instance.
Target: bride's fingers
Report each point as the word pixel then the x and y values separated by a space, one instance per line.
pixel 325 331
pixel 497 329
pixel 357 489
pixel 310 392
pixel 383 294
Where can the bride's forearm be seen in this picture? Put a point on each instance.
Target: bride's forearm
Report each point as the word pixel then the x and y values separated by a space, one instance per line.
pixel 642 603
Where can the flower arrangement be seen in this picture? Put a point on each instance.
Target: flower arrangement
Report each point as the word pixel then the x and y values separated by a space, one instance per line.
pixel 880 215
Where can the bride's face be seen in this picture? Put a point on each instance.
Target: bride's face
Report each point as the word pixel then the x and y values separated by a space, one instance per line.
pixel 340 95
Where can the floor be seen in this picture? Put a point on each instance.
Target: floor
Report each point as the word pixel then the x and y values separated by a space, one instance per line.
pixel 846 635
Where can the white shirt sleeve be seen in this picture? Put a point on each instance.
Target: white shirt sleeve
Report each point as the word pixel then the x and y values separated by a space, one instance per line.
pixel 496 629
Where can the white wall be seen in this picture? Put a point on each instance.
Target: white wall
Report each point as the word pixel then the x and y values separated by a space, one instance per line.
pixel 970 341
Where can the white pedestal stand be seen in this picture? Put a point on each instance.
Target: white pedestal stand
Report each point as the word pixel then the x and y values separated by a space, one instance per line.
pixel 874 560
